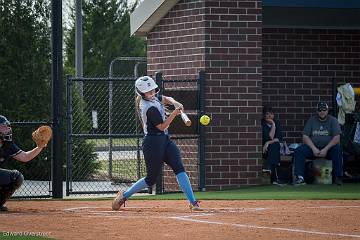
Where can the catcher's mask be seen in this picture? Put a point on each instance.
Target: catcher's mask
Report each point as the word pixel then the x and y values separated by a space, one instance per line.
pixel 145 84
pixel 5 129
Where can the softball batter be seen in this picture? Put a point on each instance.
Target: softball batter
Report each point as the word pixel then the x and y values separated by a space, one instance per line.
pixel 157 146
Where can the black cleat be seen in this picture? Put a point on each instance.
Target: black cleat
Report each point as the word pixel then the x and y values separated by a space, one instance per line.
pixel 3 208
pixel 338 181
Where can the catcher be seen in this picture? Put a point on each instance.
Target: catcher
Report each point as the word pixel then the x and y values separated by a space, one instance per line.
pixel 10 180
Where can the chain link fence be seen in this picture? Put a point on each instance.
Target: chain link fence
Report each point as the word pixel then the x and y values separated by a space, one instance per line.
pixel 104 136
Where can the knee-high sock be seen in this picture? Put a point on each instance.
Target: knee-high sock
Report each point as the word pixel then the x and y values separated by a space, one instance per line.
pixel 136 187
pixel 185 185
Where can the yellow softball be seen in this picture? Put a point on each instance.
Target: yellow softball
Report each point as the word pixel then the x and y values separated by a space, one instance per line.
pixel 205 120
pixel 357 91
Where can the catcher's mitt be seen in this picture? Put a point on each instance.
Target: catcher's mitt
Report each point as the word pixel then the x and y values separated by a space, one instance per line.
pixel 42 136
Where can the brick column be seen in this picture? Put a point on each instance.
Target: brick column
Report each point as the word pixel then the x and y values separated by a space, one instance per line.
pixel 233 67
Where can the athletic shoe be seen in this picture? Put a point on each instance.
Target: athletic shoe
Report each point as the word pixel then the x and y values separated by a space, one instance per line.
pixel 3 208
pixel 195 206
pixel 299 181
pixel 279 183
pixel 118 201
pixel 338 181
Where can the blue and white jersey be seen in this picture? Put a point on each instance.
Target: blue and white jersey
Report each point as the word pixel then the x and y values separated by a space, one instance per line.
pixel 152 114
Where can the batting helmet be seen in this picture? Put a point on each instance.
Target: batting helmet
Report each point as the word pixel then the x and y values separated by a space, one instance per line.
pixel 145 84
pixel 5 129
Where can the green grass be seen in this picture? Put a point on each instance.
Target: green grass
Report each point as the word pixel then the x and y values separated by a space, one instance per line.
pixel 20 236
pixel 123 168
pixel 116 142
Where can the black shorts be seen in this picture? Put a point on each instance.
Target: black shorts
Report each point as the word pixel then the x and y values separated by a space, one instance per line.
pixel 5 177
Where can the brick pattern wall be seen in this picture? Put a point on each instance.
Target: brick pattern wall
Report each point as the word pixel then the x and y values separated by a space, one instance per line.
pixel 224 39
pixel 299 66
pixel 233 67
pixel 176 46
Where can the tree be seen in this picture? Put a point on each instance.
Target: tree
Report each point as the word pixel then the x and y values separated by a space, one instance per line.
pixel 25 59
pixel 25 72
pixel 106 35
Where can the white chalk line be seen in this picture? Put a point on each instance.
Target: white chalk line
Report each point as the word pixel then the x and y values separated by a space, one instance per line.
pixel 233 210
pixel 196 215
pixel 354 206
pixel 86 208
pixel 218 210
pixel 270 228
pixel 78 208
pixel 127 216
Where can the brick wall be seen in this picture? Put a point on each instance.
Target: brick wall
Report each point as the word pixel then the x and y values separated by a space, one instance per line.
pixel 233 67
pixel 224 39
pixel 176 46
pixel 298 68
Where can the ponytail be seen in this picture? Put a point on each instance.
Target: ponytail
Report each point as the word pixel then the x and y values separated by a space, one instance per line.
pixel 137 108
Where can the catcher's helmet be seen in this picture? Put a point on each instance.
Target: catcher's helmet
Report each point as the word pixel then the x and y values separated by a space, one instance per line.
pixel 145 84
pixel 5 129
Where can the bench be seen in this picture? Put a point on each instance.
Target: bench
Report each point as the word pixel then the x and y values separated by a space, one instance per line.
pixel 320 170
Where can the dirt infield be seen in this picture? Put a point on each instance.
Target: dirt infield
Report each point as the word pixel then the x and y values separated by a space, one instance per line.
pixel 172 220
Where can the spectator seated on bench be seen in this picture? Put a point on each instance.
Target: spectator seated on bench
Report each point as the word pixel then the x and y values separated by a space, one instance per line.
pixel 271 137
pixel 321 139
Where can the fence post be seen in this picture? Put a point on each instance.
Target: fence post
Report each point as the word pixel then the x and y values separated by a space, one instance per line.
pixel 160 180
pixel 110 127
pixel 56 72
pixel 69 136
pixel 201 129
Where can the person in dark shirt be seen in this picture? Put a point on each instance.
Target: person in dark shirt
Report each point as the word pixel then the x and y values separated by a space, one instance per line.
pixel 321 138
pixel 157 145
pixel 271 137
pixel 10 180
